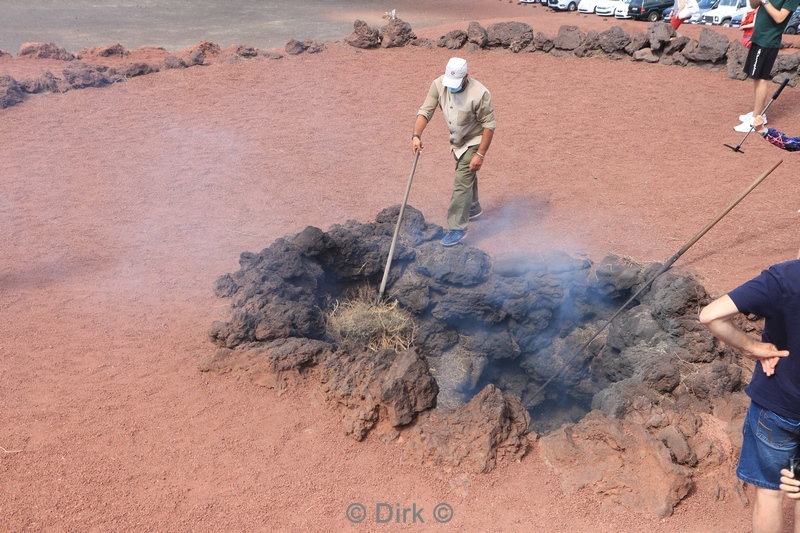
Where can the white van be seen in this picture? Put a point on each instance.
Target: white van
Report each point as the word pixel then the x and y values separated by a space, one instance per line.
pixel 724 12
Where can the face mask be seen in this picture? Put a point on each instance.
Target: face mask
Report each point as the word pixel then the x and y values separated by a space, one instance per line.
pixel 457 89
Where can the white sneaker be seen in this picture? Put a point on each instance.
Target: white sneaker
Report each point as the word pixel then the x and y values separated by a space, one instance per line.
pixel 749 117
pixel 744 127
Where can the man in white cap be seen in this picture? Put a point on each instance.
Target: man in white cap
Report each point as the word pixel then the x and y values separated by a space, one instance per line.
pixel 467 108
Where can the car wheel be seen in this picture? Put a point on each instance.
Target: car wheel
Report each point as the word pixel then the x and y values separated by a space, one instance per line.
pixel 572 6
pixel 653 16
pixel 790 30
pixel 726 23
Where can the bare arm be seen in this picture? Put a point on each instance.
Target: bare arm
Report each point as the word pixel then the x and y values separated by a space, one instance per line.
pixel 476 162
pixel 778 15
pixel 718 316
pixel 419 127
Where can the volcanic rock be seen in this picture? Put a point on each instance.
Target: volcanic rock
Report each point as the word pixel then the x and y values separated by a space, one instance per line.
pixel 645 55
pixel 173 61
pixel 711 46
pixel 396 33
pixel 677 44
pixel 477 34
pixel 10 92
pixel 363 36
pixel 607 455
pixel 453 40
pixel 543 42
pixel 638 41
pixel 79 75
pixel 569 38
pixel 475 437
pixel 660 35
pixel 368 387
pixel 512 35
pixel 44 83
pixel 295 47
pixel 114 50
pixel 44 51
pixel 614 39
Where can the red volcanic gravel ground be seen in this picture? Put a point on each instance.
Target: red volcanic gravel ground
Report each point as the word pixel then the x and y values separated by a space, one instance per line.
pixel 121 205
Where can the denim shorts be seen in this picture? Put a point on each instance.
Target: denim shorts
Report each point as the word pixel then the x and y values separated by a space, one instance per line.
pixel 770 440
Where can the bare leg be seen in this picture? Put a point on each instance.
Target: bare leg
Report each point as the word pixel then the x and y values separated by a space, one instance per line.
pixel 762 88
pixel 768 511
pixel 797 516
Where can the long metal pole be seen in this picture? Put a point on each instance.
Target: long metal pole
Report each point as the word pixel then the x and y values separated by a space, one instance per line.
pixel 663 269
pixel 397 228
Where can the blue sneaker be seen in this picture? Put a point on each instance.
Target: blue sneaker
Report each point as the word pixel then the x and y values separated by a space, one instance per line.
pixel 453 236
pixel 473 216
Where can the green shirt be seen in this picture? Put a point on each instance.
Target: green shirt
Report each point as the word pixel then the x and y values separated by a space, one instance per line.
pixel 767 33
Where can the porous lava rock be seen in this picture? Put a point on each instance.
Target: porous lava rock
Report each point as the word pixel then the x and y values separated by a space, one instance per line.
pixel 79 75
pixel 711 46
pixel 614 39
pixel 453 40
pixel 44 83
pixel 638 41
pixel 396 33
pixel 363 36
pixel 113 50
pixel 477 34
pixel 609 456
pixel 492 428
pixel 512 35
pixel 44 51
pixel 660 34
pixel 10 92
pixel 569 38
pixel 491 331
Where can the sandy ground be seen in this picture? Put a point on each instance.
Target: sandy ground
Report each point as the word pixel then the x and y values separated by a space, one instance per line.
pixel 121 205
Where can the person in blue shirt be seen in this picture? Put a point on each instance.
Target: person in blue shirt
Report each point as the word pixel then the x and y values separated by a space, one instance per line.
pixel 771 432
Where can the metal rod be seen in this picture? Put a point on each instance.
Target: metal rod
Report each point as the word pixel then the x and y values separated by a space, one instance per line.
pixel 774 96
pixel 397 229
pixel 663 269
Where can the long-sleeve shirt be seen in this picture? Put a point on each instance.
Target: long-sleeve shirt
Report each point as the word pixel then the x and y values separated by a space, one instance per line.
pixel 790 144
pixel 467 112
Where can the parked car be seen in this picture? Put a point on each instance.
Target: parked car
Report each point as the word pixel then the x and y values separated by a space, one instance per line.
pixel 647 9
pixel 563 5
pixel 622 10
pixel 724 12
pixel 587 6
pixel 793 26
pixel 606 8
pixel 704 7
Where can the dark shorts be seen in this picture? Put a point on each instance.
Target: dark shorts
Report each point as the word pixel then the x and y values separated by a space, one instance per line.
pixel 760 61
pixel 769 441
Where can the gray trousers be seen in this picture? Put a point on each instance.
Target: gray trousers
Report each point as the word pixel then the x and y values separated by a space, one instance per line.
pixel 464 201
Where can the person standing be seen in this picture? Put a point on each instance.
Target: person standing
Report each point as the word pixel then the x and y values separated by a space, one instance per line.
pixel 771 19
pixel 467 109
pixel 771 432
pixel 748 23
pixel 682 11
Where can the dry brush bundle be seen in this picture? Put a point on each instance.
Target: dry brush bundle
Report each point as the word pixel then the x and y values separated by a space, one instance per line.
pixel 359 322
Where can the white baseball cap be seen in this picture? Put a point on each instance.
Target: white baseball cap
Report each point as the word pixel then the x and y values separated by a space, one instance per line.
pixel 455 72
